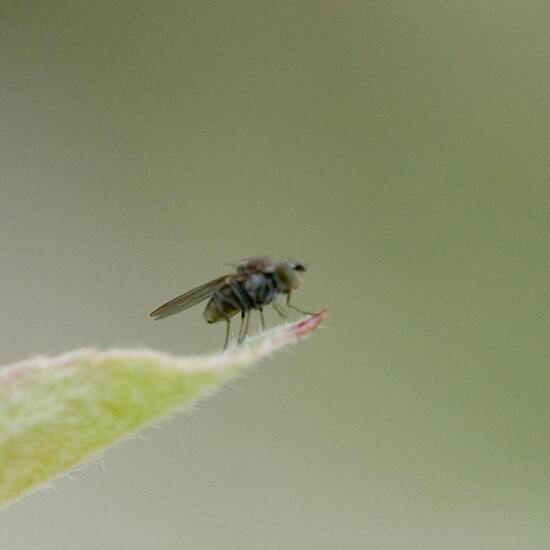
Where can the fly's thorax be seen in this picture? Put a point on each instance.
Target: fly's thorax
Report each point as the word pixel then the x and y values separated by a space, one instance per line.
pixel 260 288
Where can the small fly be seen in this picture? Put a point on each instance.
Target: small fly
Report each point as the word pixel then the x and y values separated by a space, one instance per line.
pixel 255 284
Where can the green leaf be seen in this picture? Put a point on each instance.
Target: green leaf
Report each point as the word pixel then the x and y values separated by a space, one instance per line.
pixel 56 412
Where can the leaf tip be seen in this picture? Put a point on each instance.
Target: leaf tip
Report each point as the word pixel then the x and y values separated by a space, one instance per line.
pixel 309 324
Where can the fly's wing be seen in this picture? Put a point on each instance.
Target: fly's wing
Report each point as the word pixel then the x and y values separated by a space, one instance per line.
pixel 190 298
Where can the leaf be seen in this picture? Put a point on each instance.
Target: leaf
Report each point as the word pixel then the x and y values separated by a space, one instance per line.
pixel 57 412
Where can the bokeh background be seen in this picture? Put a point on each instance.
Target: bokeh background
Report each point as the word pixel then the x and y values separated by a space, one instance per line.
pixel 401 149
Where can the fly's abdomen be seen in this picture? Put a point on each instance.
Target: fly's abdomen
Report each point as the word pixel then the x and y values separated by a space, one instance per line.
pixel 226 302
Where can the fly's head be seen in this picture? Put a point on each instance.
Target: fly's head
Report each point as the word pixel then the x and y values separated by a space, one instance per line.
pixel 290 273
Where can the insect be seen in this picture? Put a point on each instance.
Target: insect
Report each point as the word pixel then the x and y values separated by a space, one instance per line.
pixel 255 284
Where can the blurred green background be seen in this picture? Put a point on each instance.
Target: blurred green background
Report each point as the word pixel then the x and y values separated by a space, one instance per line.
pixel 400 149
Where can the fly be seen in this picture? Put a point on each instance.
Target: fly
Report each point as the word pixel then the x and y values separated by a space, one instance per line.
pixel 255 284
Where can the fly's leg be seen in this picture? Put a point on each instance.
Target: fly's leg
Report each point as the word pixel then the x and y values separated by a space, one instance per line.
pixel 219 305
pixel 296 308
pixel 241 327
pixel 243 302
pixel 262 320
pixel 227 333
pixel 279 310
pixel 244 326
